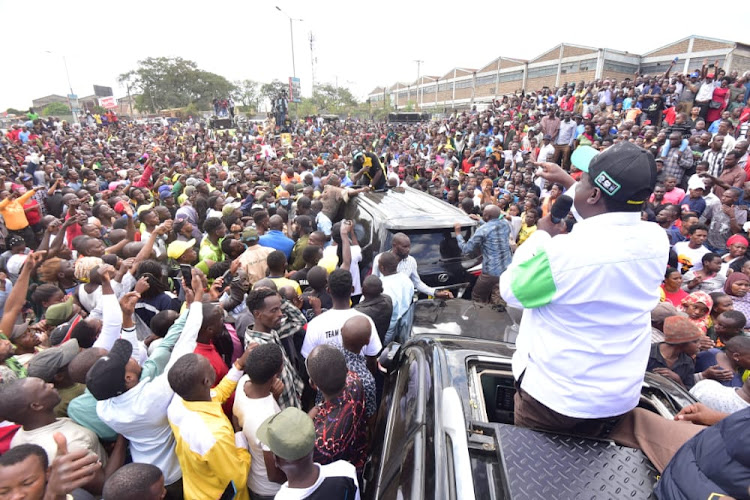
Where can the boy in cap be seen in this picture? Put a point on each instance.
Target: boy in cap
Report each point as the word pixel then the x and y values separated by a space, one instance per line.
pixel 673 358
pixel 290 435
pixel 51 365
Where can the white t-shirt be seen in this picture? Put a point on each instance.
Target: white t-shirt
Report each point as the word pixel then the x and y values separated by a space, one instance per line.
pixel 326 329
pixel 693 254
pixel 77 437
pixel 719 397
pixel 250 414
pixel 336 480
pixel 356 250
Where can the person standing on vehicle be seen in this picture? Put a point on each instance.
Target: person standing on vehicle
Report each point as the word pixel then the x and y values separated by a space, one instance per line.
pixel 584 339
pixel 400 246
pixel 492 238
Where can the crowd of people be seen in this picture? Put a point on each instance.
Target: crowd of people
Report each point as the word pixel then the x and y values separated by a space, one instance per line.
pixel 192 302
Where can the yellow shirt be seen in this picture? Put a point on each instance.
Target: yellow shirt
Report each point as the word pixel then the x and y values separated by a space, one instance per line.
pixel 205 445
pixel 525 232
pixel 13 213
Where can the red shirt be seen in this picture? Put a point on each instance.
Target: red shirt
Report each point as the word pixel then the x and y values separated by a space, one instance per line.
pixel 209 352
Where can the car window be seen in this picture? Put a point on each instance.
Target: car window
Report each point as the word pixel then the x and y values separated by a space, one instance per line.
pixel 431 245
pixel 363 227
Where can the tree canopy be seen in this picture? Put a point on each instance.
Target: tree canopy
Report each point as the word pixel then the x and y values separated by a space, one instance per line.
pixel 56 108
pixel 173 82
pixel 246 93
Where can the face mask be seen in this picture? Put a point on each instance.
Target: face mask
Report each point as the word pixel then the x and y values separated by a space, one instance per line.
pixel 271 205
pixel 284 202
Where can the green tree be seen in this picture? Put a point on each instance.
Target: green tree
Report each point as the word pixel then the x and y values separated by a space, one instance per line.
pixel 331 99
pixel 14 111
pixel 173 82
pixel 246 93
pixel 271 90
pixel 56 108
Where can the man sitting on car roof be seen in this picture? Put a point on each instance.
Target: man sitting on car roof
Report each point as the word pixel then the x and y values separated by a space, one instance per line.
pixel 584 339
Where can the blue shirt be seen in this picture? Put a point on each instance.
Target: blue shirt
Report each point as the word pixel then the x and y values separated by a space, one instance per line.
pixel 697 205
pixel 707 359
pixel 493 239
pixel 277 240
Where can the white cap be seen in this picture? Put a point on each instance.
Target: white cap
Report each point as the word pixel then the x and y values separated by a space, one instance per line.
pixel 696 182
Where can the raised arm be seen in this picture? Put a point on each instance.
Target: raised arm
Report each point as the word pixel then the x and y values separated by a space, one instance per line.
pixel 111 312
pixel 17 296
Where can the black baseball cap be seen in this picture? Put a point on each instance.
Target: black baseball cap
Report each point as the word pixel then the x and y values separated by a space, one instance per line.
pixel 624 172
pixel 106 379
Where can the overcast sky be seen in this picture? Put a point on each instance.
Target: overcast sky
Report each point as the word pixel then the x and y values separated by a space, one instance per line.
pixel 364 44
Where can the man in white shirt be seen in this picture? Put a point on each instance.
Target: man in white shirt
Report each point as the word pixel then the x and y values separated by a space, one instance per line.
pixel 401 246
pixel 584 339
pixel 400 289
pixel 254 402
pixel 547 151
pixel 290 435
pixel 689 252
pixel 133 400
pixel 326 328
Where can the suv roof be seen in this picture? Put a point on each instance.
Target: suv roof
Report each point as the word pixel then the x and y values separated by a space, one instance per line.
pixel 406 208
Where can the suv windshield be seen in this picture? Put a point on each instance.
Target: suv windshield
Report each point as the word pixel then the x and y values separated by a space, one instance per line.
pixel 431 245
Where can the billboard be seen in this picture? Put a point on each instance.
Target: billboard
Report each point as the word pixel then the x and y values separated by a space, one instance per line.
pixel 107 102
pixel 295 91
pixel 100 91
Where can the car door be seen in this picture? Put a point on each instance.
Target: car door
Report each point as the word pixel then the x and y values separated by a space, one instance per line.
pixel 403 462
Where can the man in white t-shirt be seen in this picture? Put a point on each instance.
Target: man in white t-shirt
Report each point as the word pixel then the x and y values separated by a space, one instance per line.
pixel 290 435
pixel 331 252
pixel 326 328
pixel 30 402
pixel 690 252
pixel 254 402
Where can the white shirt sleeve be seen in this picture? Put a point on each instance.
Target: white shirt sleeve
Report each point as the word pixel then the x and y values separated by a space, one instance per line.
pixel 188 338
pixel 375 345
pixel 111 322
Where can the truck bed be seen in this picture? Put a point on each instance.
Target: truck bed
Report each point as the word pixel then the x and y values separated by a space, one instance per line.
pixel 538 465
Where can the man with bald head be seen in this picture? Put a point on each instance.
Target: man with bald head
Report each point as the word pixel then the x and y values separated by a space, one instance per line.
pixel 400 247
pixel 275 237
pixel 493 238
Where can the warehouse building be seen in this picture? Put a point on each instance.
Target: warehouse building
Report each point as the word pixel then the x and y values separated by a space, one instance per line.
pixel 565 63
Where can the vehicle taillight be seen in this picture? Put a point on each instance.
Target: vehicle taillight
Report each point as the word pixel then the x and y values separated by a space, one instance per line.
pixel 476 272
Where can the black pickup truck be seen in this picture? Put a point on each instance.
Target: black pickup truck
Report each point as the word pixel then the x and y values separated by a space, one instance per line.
pixel 445 425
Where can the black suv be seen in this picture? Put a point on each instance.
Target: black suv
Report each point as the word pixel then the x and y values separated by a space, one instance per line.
pixel 428 222
pixel 445 425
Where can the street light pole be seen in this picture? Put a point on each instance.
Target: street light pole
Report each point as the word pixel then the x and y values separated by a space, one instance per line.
pixel 419 67
pixel 291 33
pixel 70 87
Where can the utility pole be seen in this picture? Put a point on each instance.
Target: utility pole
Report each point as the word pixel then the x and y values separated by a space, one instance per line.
pixel 312 60
pixel 419 74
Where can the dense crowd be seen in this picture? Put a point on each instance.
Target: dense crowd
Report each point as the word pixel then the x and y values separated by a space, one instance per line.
pixel 192 301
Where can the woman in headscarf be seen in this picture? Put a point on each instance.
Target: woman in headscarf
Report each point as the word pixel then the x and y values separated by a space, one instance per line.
pixel 698 306
pixel 733 260
pixel 737 287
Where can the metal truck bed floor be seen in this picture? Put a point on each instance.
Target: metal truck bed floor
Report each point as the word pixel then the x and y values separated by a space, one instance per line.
pixel 550 466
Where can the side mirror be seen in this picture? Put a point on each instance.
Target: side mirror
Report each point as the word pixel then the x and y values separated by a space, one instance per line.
pixel 387 358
